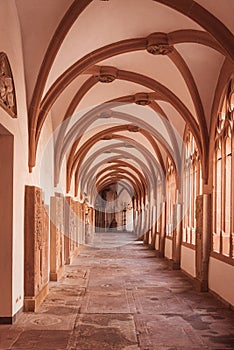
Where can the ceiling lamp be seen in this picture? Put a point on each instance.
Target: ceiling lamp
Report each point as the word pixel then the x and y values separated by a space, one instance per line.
pixel 142 99
pixel 107 74
pixel 157 44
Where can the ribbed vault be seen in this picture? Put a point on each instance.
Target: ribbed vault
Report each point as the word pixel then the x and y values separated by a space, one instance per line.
pixel 120 100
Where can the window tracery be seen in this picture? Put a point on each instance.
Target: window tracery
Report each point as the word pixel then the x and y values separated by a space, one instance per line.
pixel 170 196
pixel 223 184
pixel 192 187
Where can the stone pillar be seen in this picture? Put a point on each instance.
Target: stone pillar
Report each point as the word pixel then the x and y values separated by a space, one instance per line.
pixel 177 236
pixel 67 232
pixel 70 249
pixel 153 227
pixel 148 220
pixel 203 240
pixel 134 214
pixel 35 249
pixel 144 230
pixel 89 220
pixel 56 237
pixel 157 226
pixel 139 221
pixel 76 208
pixel 162 233
pixel 83 222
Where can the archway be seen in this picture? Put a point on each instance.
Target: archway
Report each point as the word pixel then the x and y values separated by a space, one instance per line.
pixel 6 219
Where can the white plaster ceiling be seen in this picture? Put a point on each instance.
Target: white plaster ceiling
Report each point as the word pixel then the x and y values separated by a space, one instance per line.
pixel 106 22
pixel 222 9
pixel 103 23
pixel 38 21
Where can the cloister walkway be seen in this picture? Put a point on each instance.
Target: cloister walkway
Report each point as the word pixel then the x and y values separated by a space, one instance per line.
pixel 122 297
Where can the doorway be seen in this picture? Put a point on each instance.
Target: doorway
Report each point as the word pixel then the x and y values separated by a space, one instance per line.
pixel 6 220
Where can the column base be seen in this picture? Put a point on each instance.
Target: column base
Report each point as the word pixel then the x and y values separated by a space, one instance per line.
pixel 174 265
pixel 201 286
pixel 71 258
pixel 32 303
pixel 10 319
pixel 159 254
pixel 55 276
pixel 152 244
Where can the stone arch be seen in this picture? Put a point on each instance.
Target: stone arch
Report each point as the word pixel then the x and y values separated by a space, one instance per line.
pixel 128 45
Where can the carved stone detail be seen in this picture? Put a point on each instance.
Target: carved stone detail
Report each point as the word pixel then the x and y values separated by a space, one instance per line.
pixel 70 244
pixel 133 128
pixel 158 44
pixel 159 49
pixel 107 74
pixel 105 115
pixel 142 99
pixel 56 237
pixel 36 249
pixel 107 137
pixel 7 90
pixel 38 219
pixel 203 240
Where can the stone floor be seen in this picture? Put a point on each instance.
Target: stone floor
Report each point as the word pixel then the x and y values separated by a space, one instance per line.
pixel 122 298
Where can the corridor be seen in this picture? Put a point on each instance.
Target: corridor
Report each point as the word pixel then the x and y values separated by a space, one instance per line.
pixel 122 297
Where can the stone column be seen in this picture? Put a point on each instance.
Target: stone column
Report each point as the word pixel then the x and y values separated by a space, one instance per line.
pixel 89 232
pixel 144 230
pixel 157 225
pixel 148 227
pixel 67 233
pixel 177 236
pixel 153 227
pixel 162 233
pixel 36 249
pixel 76 220
pixel 70 249
pixel 56 238
pixel 83 222
pixel 203 240
pixel 133 214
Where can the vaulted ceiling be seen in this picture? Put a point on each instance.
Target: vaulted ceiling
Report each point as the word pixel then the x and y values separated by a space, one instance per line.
pixel 121 80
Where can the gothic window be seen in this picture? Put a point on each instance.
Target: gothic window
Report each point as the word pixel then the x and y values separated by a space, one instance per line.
pixel 192 187
pixel 170 196
pixel 223 173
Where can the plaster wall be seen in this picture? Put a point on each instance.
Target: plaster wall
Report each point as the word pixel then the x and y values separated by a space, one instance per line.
pixel 10 40
pixel 168 248
pixel 6 214
pixel 221 279
pixel 42 175
pixel 61 187
pixel 188 262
